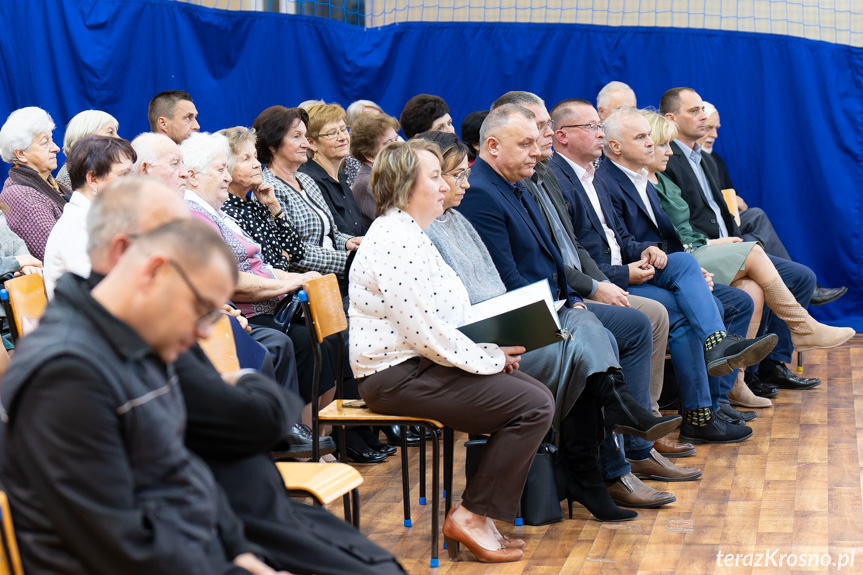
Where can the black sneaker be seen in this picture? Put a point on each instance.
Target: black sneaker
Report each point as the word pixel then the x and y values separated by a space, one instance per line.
pixel 734 352
pixel 716 431
pixel 735 413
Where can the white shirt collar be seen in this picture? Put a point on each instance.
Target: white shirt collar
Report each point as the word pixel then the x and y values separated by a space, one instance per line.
pixel 579 171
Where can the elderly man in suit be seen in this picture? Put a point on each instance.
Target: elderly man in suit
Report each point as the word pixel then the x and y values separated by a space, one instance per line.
pixel 674 280
pixel 710 215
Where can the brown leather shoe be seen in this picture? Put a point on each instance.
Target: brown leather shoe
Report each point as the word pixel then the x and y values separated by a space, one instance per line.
pixel 672 448
pixel 659 468
pixel 629 491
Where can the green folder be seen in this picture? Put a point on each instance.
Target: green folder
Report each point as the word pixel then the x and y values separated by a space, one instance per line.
pixel 526 317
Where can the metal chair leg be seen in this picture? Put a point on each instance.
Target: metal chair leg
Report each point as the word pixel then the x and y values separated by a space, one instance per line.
pixel 422 499
pixel 448 449
pixel 435 500
pixel 406 494
pixel 355 498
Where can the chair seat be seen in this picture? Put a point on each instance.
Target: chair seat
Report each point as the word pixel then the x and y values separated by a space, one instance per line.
pixel 326 482
pixel 338 411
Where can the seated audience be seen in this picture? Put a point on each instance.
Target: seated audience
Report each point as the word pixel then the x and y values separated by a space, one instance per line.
pixel 174 114
pixel 14 258
pixel 34 198
pixel 582 361
pixel 282 145
pixel 233 426
pixel 424 113
pixel 254 206
pixel 81 125
pixel 470 133
pixel 709 214
pixel 369 135
pixel 160 157
pixel 328 145
pixel 354 111
pixel 754 223
pixel 96 161
pixel 73 394
pixel 612 97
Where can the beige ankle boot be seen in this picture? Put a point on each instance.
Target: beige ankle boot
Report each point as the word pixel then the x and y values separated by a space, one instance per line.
pixel 806 333
pixel 742 396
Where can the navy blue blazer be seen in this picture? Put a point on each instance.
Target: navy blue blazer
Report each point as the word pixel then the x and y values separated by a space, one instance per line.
pixel 701 217
pixel 522 251
pixel 632 211
pixel 588 228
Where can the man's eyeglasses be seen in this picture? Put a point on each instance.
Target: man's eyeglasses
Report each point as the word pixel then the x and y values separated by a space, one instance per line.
pixel 334 134
pixel 542 127
pixel 460 177
pixel 589 127
pixel 208 318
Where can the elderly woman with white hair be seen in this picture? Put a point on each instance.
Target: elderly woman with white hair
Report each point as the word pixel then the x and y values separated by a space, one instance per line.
pixel 83 124
pixel 260 286
pixel 34 198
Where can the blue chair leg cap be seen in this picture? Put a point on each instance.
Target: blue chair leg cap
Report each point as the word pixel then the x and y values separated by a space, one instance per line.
pixel 519 521
pixel 444 494
pixel 407 522
pixel 422 500
pixel 444 544
pixel 433 563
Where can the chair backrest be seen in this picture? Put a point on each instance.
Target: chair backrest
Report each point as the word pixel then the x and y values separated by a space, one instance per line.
pixel 10 558
pixel 27 298
pixel 220 347
pixel 325 302
pixel 730 195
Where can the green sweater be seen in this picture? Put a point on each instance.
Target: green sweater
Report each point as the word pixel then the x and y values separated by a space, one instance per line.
pixel 678 211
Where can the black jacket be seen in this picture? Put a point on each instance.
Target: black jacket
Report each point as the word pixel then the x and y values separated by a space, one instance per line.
pixel 92 453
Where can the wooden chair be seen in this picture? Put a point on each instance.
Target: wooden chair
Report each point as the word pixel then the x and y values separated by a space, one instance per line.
pixel 27 301
pixel 730 196
pixel 325 316
pixel 10 559
pixel 323 482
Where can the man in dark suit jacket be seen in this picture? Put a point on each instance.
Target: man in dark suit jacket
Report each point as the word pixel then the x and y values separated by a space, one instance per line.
pixel 755 225
pixel 709 215
pixel 676 281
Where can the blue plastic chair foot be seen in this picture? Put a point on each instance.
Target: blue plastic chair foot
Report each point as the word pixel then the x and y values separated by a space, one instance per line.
pixel 422 500
pixel 444 544
pixel 444 494
pixel 407 522
pixel 433 563
pixel 519 521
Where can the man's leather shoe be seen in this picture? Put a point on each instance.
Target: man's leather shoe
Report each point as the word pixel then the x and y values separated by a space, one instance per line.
pixel 659 468
pixel 744 416
pixel 370 456
pixel 393 434
pixel 716 431
pixel 671 448
pixel 629 491
pixel 823 295
pixel 734 352
pixel 760 388
pixel 298 443
pixel 780 376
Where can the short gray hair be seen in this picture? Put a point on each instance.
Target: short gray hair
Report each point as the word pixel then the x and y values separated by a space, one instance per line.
pixel 519 98
pixel 709 109
pixel 613 125
pixel 499 118
pixel 605 93
pixel 115 211
pixel 83 124
pixel 201 148
pixel 354 110
pixel 21 128
pixel 146 145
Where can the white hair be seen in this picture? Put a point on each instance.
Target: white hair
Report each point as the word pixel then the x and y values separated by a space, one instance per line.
pixel 354 110
pixel 709 109
pixel 613 125
pixel 201 148
pixel 83 124
pixel 605 93
pixel 148 145
pixel 305 105
pixel 21 128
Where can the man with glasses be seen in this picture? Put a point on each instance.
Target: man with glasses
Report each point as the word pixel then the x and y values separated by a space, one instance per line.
pixel 699 342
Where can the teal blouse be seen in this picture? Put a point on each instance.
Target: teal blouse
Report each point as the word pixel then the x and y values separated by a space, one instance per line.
pixel 677 209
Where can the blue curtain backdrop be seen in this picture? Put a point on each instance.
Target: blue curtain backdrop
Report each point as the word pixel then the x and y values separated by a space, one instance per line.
pixel 791 108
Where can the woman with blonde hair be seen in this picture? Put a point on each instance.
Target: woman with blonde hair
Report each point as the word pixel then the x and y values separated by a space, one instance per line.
pixel 732 261
pixel 86 123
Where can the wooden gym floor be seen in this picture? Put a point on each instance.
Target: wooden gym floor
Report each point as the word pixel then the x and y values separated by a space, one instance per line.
pixel 793 489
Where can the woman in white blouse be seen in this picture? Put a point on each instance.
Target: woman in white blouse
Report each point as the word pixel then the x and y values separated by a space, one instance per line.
pixel 95 162
pixel 405 306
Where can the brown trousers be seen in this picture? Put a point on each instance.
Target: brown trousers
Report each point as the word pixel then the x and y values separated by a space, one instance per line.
pixel 515 409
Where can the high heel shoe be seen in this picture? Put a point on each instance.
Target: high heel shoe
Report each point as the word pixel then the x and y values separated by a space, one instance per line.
pixel 589 490
pixel 511 543
pixel 624 415
pixel 454 535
